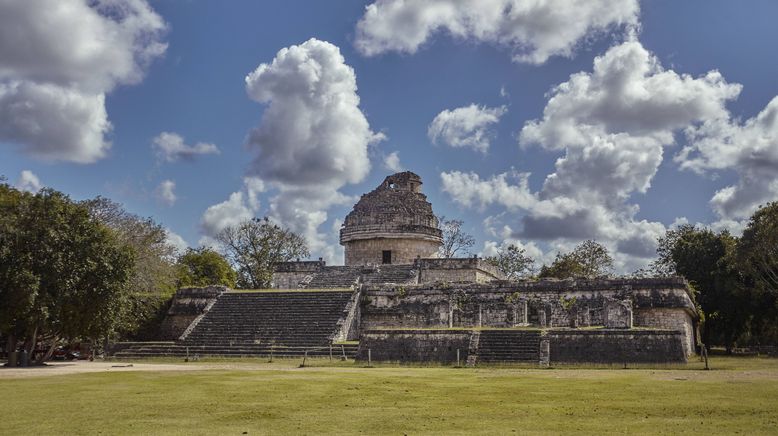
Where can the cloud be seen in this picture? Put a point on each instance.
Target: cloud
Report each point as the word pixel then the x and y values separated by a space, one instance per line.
pixel 532 30
pixel 29 182
pixel 165 192
pixel 750 148
pixel 240 206
pixel 468 126
pixel 170 147
pixel 58 60
pixel 312 139
pixel 176 241
pixel 612 125
pixel 392 162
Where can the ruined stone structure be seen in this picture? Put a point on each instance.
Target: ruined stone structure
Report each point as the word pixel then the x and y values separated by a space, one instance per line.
pixel 403 304
pixel 393 224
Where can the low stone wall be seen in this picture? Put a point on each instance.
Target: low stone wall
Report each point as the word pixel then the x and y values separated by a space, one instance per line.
pixel 616 346
pixel 415 345
pixel 290 275
pixel 602 346
pixel 452 270
pixel 187 305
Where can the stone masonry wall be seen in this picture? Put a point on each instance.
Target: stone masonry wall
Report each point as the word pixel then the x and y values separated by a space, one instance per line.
pixel 507 304
pixel 616 346
pixel 415 345
pixel 606 346
pixel 404 251
pixel 671 319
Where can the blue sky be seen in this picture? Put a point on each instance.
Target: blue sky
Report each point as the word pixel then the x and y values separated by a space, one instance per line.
pixel 628 154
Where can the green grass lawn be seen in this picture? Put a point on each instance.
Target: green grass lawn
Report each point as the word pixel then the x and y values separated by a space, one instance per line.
pixel 737 396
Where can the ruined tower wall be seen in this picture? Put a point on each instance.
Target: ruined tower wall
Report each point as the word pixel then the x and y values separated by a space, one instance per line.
pixel 404 250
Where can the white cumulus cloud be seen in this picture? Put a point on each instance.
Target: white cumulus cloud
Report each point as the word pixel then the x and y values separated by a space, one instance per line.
pixel 170 147
pixel 533 30
pixel 466 127
pixel 750 148
pixel 312 139
pixel 29 182
pixel 392 162
pixel 612 124
pixel 58 60
pixel 240 206
pixel 176 241
pixel 165 192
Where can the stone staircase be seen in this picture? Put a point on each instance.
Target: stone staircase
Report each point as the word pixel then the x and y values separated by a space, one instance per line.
pixel 399 274
pixel 509 346
pixel 335 277
pixel 258 324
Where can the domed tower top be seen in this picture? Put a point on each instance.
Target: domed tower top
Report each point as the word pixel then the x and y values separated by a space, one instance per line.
pixel 394 223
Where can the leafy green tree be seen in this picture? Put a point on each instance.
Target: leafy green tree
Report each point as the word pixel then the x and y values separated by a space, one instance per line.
pixel 204 267
pixel 589 259
pixel 154 270
pixel 706 260
pixel 757 252
pixel 255 246
pixel 513 262
pixel 757 258
pixel 65 272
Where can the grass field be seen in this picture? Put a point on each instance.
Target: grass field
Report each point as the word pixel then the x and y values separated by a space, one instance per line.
pixel 740 395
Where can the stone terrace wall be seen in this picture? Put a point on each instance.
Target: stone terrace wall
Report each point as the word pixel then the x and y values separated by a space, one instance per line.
pixel 669 318
pixel 543 304
pixel 187 304
pixel 453 270
pixel 616 346
pixel 605 346
pixel 415 345
pixel 289 275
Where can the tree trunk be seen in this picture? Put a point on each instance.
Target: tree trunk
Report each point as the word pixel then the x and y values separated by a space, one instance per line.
pixel 31 345
pixel 49 353
pixel 11 344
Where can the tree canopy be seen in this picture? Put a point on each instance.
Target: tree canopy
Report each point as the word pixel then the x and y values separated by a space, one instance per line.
pixel 513 262
pixel 455 240
pixel 255 246
pixel 62 272
pixel 589 259
pixel 204 267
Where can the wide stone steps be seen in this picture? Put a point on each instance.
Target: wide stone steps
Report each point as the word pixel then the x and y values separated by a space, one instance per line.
pixel 294 318
pixel 245 350
pixel 257 323
pixel 509 346
pixel 391 274
pixel 335 277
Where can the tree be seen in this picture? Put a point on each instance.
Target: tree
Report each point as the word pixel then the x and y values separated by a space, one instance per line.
pixel 757 251
pixel 589 259
pixel 513 262
pixel 455 239
pixel 204 267
pixel 63 274
pixel 154 269
pixel 757 258
pixel 255 246
pixel 705 259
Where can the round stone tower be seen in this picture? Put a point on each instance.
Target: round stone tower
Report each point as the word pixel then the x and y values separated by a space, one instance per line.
pixel 393 224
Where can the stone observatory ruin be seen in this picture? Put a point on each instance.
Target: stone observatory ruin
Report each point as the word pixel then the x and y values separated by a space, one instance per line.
pixel 395 300
pixel 393 224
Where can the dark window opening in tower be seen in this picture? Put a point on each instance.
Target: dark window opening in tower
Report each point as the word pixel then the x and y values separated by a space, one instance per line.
pixel 387 255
